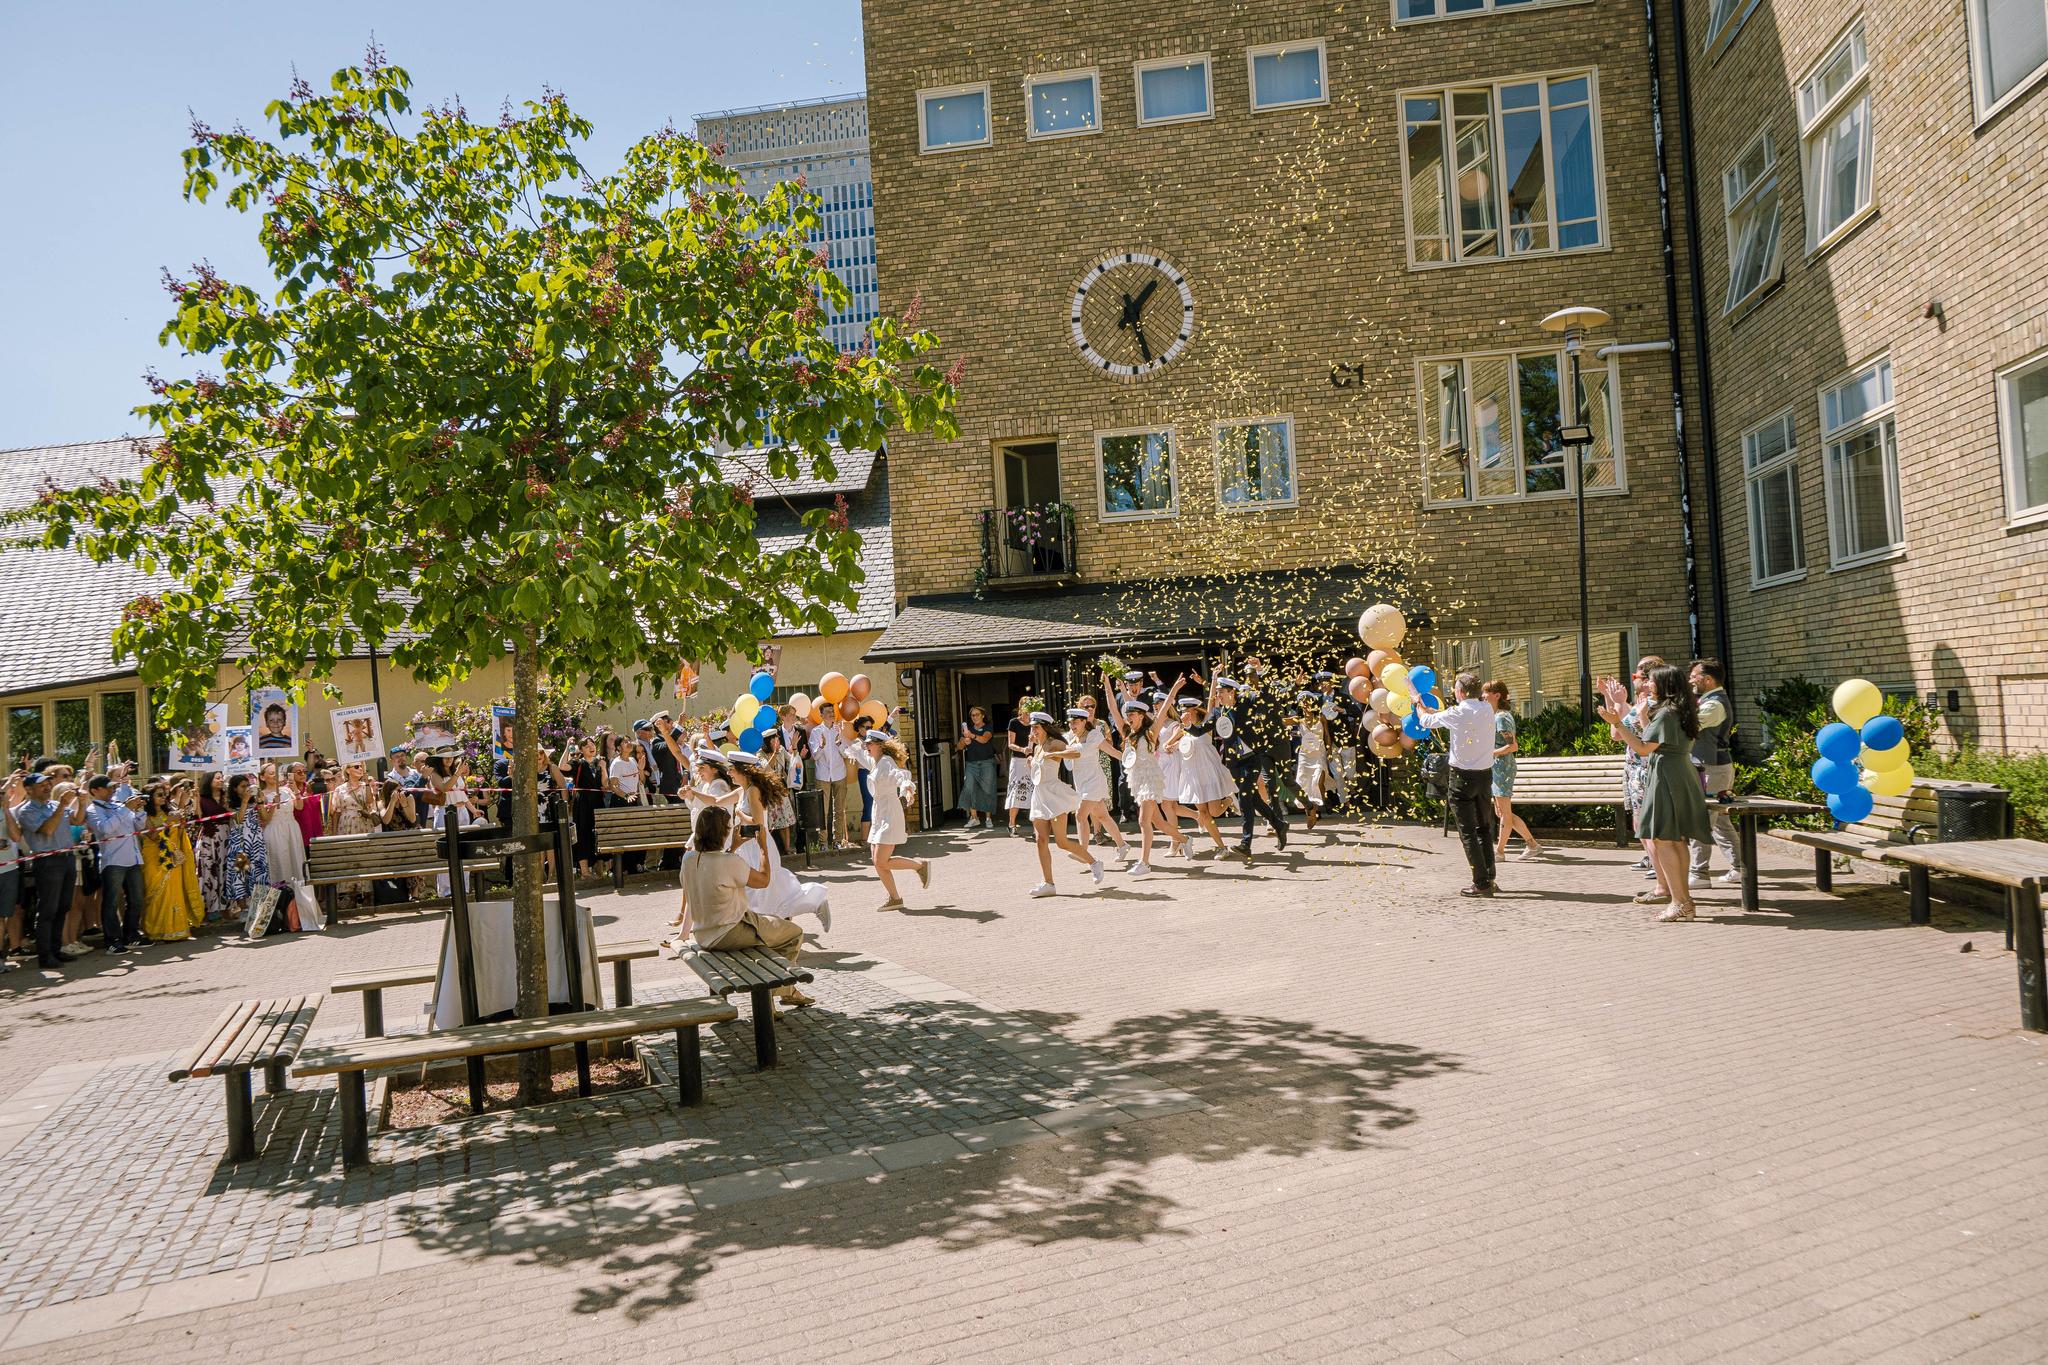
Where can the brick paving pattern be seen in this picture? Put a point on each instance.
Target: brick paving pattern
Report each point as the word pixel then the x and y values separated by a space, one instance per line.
pixel 1543 1128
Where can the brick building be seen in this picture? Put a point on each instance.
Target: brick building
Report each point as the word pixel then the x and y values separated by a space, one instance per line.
pixel 1250 295
pixel 1877 313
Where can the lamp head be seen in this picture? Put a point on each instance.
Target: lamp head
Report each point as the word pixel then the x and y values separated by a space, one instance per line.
pixel 1573 321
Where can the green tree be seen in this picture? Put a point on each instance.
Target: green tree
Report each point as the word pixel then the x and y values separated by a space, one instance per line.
pixel 475 416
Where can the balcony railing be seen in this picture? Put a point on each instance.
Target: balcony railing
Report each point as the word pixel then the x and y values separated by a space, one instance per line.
pixel 1026 546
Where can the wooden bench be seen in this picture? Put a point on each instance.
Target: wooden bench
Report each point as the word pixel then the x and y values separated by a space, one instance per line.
pixel 335 859
pixel 373 984
pixel 759 973
pixel 1893 821
pixel 1577 780
pixel 252 1034
pixel 351 1062
pixel 639 829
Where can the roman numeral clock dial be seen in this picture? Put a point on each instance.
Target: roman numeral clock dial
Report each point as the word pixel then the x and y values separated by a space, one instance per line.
pixel 1133 313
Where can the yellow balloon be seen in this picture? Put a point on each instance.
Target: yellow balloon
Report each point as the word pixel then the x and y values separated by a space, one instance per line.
pixel 1857 702
pixel 1394 677
pixel 1889 781
pixel 1884 760
pixel 1400 703
pixel 744 710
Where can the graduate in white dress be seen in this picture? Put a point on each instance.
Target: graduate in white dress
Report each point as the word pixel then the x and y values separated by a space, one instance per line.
pixel 1052 801
pixel 891 788
pixel 1139 754
pixel 759 790
pixel 1205 785
pixel 1166 734
pixel 1091 782
pixel 1312 756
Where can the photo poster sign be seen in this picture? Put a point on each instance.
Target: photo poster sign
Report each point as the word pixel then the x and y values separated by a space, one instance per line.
pixel 686 685
pixel 434 737
pixel 204 747
pixel 242 757
pixel 358 733
pixel 501 733
pixel 274 716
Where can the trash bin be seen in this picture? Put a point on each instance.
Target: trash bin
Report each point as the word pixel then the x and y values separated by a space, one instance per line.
pixel 1970 810
pixel 810 821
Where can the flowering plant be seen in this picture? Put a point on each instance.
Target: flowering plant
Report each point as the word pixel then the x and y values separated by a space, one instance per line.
pixel 1111 666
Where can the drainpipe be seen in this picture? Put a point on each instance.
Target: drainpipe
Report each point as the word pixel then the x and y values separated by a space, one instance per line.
pixel 1682 81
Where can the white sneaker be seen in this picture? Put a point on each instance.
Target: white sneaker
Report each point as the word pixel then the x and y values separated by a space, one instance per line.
pixel 1095 871
pixel 73 951
pixel 1043 889
pixel 1728 879
pixel 1698 879
pixel 1140 871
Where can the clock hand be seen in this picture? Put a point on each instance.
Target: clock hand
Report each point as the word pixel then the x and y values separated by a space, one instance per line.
pixel 1130 316
pixel 1144 346
pixel 1139 305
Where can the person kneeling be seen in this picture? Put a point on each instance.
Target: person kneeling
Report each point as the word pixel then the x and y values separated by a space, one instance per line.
pixel 715 885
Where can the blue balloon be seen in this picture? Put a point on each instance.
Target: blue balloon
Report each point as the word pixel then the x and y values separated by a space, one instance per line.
pixel 1835 778
pixel 750 742
pixel 1413 727
pixel 762 686
pixel 1421 680
pixel 1883 732
pixel 1431 700
pixel 1838 742
pixel 1851 806
pixel 764 719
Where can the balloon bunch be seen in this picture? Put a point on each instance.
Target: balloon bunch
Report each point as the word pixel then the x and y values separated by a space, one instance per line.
pixel 849 697
pixel 751 717
pixel 1863 755
pixel 1397 729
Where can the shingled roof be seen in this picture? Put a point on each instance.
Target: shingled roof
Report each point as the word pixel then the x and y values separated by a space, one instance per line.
pixel 853 471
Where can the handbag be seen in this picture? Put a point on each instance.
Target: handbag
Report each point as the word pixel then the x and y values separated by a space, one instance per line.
pixel 307 907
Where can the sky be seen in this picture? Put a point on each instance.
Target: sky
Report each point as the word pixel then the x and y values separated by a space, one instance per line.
pixel 93 118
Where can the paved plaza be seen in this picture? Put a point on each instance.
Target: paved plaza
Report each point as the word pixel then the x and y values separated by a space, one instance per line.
pixel 1317 1108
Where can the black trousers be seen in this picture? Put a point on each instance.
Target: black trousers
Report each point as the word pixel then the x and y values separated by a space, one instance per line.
pixel 56 878
pixel 1250 803
pixel 1472 803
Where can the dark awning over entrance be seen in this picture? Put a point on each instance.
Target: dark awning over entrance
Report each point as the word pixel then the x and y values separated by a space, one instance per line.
pixel 1219 608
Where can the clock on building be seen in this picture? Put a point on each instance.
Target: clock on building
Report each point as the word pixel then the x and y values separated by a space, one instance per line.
pixel 1132 313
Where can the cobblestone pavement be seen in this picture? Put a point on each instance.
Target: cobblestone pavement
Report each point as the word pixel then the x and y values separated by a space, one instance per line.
pixel 1542 1127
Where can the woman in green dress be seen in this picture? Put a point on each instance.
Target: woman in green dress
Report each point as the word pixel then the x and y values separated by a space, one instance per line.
pixel 1674 808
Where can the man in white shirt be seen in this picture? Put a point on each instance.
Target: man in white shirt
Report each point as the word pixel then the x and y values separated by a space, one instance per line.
pixel 1470 726
pixel 835 776
pixel 114 827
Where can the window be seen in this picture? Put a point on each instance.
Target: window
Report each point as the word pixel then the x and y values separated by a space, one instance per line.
pixel 117 724
pixel 1287 75
pixel 953 118
pixel 1136 472
pixel 1492 425
pixel 1834 125
pixel 1524 153
pixel 1062 105
pixel 1724 19
pixel 1412 11
pixel 74 730
pixel 1256 462
pixel 1541 668
pixel 1749 190
pixel 2023 433
pixel 1860 453
pixel 1770 465
pixel 2008 49
pixel 25 733
pixel 1174 90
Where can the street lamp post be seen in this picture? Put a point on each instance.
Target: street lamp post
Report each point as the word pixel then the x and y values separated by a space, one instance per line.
pixel 1575 436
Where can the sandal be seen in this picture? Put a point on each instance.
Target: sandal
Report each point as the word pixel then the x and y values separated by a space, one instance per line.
pixel 1677 914
pixel 1651 898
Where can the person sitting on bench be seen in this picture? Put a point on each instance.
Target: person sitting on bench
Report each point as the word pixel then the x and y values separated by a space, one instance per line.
pixel 715 885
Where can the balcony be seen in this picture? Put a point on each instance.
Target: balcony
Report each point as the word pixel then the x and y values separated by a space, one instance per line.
pixel 1031 546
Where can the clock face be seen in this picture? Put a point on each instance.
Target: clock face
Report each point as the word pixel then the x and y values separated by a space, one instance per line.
pixel 1132 313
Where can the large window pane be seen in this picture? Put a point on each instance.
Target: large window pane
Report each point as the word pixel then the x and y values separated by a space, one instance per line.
pixel 1173 92
pixel 117 724
pixel 1860 466
pixel 1600 466
pixel 1449 465
pixel 25 732
pixel 1257 464
pixel 1526 170
pixel 1063 106
pixel 1843 167
pixel 1428 180
pixel 2028 409
pixel 956 120
pixel 1543 456
pixel 2014 43
pixel 1478 219
pixel 74 730
pixel 1287 76
pixel 1578 184
pixel 1137 473
pixel 1774 524
pixel 1493 450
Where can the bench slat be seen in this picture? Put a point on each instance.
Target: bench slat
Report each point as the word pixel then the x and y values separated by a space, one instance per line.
pixel 230 1019
pixel 743 969
pixel 251 1034
pixel 391 978
pixel 512 1035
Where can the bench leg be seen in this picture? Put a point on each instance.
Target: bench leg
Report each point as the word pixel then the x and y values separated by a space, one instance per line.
pixel 373 1014
pixel 1823 870
pixel 622 983
pixel 1917 909
pixel 1621 826
pixel 355 1120
pixel 618 872
pixel 2023 910
pixel 241 1117
pixel 764 1028
pixel 583 1070
pixel 330 897
pixel 273 1079
pixel 690 1065
pixel 475 1068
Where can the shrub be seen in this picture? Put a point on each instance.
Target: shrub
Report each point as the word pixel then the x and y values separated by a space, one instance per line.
pixel 2025 776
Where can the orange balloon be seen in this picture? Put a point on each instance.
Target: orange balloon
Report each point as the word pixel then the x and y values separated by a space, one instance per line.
pixel 1374 662
pixel 1384 741
pixel 1357 668
pixel 1360 689
pixel 858 687
pixel 832 687
pixel 874 710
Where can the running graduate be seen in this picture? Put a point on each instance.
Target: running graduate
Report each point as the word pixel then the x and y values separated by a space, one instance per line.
pixel 1139 754
pixel 1091 782
pixel 1052 801
pixel 882 756
pixel 1205 784
pixel 1312 757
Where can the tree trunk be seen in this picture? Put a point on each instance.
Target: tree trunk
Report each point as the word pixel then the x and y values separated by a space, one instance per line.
pixel 529 916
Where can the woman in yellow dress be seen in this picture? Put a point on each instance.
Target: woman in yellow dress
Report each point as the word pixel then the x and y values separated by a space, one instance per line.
pixel 171 908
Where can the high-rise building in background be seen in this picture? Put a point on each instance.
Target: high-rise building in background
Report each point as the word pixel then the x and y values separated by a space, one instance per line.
pixel 826 142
